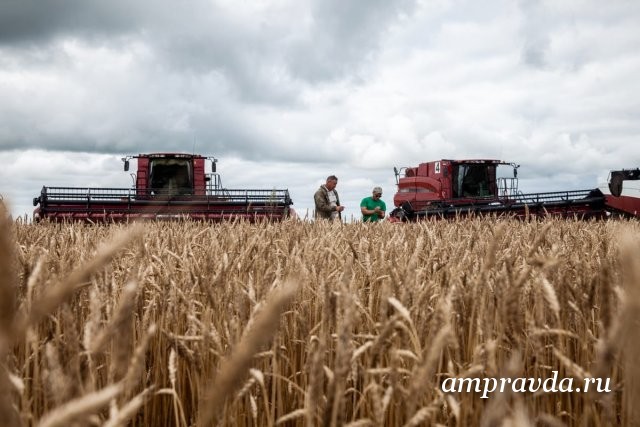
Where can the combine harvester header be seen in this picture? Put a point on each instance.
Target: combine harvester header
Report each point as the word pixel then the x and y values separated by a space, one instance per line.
pixel 167 186
pixel 452 188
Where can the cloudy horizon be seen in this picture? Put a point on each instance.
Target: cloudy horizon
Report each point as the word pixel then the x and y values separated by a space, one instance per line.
pixel 286 92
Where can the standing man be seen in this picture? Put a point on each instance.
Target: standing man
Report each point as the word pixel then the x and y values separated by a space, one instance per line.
pixel 327 200
pixel 373 208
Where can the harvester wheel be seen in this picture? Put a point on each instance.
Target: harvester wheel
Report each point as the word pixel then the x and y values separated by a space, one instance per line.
pixel 398 215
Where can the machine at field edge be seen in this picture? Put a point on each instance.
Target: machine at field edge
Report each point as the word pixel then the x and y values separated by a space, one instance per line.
pixel 454 188
pixel 166 186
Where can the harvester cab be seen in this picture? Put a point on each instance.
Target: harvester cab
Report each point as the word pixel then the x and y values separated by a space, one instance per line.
pixel 171 174
pixel 454 182
pixel 165 186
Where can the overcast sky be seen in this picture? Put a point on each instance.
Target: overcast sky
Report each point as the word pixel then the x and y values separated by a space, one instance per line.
pixel 286 92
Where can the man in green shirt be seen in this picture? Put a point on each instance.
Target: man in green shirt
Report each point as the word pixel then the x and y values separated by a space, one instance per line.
pixel 373 208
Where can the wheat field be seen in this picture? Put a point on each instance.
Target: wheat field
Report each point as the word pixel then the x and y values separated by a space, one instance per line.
pixel 300 323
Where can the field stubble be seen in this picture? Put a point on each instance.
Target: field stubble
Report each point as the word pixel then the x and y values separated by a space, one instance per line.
pixel 297 323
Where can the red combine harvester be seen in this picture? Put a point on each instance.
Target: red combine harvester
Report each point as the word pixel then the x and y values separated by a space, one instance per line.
pixel 167 186
pixel 453 188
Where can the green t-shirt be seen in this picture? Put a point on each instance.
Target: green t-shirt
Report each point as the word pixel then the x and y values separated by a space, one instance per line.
pixel 370 204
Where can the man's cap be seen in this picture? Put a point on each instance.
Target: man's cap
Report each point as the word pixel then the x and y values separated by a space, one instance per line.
pixel 377 190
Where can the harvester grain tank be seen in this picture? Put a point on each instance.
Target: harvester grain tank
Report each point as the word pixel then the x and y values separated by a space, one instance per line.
pixel 453 188
pixel 166 186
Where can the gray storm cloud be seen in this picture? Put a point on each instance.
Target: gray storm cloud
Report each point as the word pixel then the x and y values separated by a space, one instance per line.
pixel 347 87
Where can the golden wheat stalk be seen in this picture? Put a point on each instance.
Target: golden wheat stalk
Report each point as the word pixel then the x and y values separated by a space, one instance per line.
pixel 630 322
pixel 230 373
pixel 80 408
pixel 53 297
pixel 129 410
pixel 479 278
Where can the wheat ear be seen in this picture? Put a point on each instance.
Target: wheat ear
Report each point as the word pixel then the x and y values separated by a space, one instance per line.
pixel 63 290
pixel 229 376
pixel 80 408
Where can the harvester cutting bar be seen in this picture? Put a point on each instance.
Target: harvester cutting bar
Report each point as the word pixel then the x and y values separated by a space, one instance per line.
pixel 552 197
pixel 99 204
pixel 583 204
pixel 61 194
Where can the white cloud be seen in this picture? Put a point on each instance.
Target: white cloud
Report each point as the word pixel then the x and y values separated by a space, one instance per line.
pixel 286 92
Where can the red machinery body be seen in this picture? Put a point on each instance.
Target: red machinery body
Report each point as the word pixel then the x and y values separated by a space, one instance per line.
pixel 623 191
pixel 167 186
pixel 451 188
pixel 459 181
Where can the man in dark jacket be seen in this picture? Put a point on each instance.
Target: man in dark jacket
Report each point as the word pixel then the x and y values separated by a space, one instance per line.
pixel 327 200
